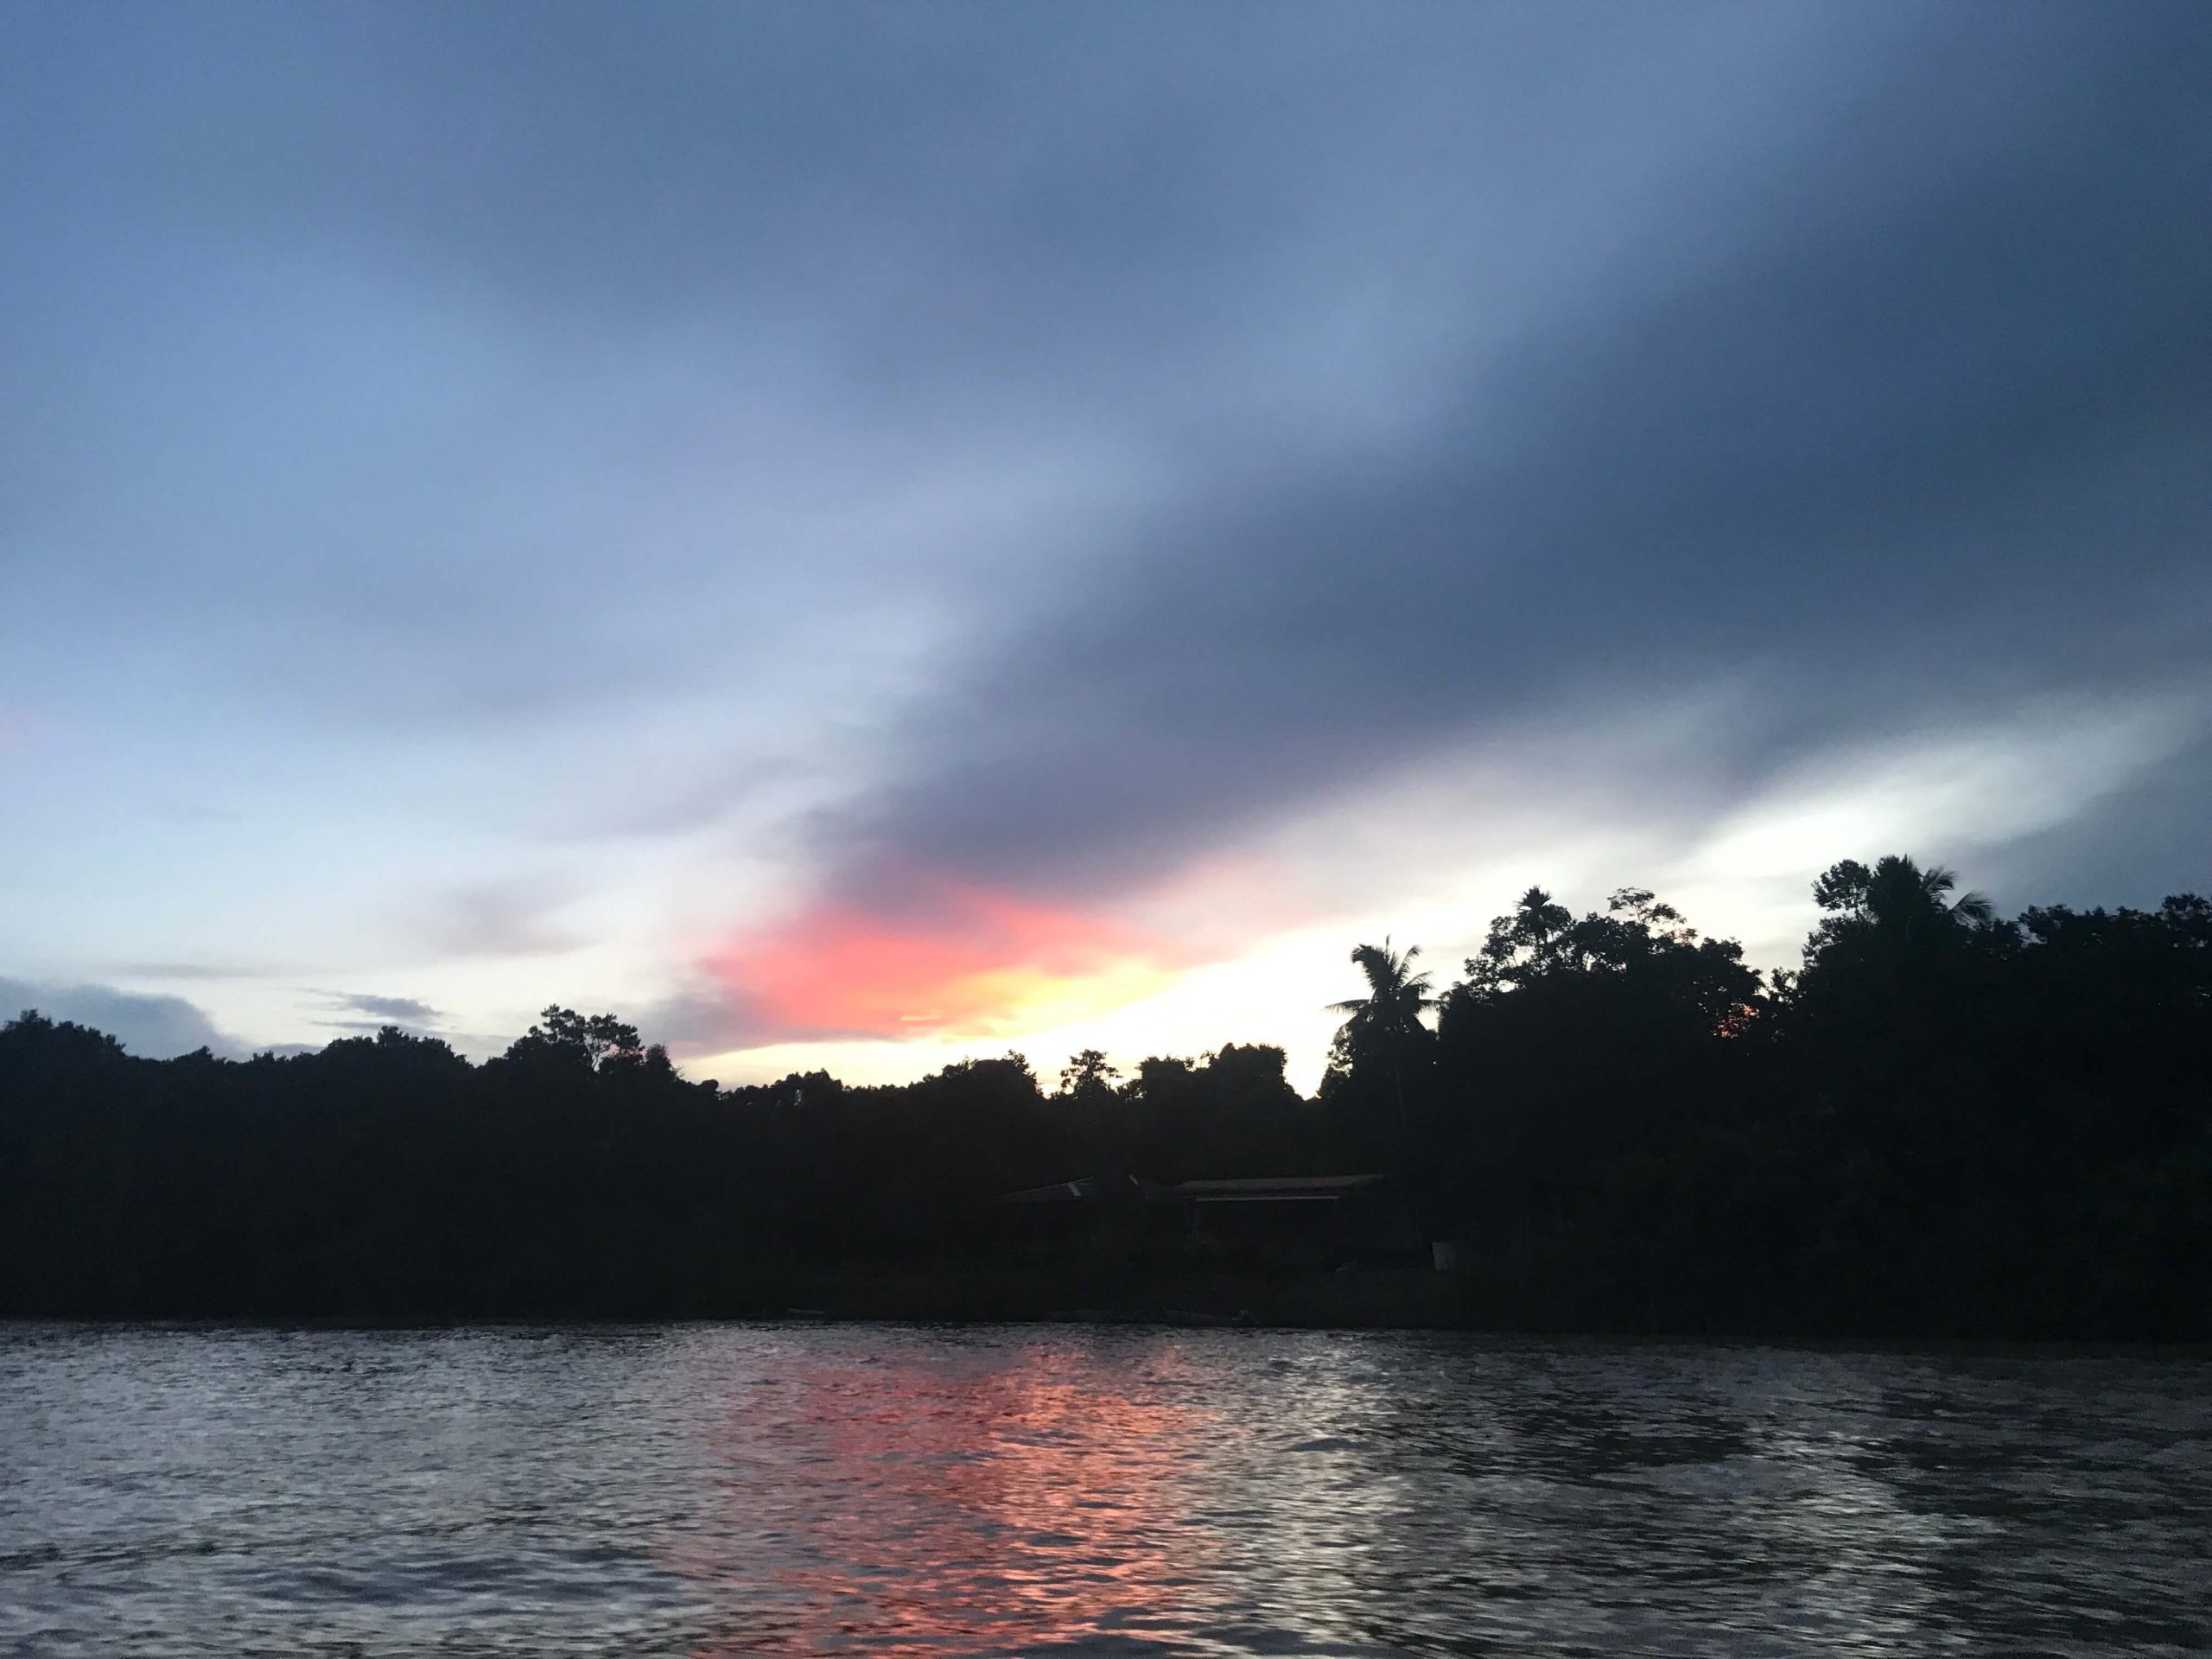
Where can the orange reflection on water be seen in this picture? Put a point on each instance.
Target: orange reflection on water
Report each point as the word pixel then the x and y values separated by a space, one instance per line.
pixel 896 1507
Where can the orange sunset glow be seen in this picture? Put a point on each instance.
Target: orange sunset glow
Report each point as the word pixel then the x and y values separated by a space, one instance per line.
pixel 998 1481
pixel 974 961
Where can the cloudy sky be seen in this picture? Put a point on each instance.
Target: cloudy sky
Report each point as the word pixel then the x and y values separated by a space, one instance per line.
pixel 856 535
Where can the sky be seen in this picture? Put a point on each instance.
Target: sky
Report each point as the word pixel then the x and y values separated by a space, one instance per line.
pixel 854 536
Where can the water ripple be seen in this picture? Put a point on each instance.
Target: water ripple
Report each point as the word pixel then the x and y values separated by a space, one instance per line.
pixel 718 1491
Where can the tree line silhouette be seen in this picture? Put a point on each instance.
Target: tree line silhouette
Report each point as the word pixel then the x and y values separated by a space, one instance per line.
pixel 1943 1122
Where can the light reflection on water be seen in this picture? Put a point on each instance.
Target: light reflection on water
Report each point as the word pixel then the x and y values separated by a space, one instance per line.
pixel 716 1490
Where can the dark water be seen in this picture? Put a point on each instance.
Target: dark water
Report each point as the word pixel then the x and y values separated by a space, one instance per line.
pixel 725 1490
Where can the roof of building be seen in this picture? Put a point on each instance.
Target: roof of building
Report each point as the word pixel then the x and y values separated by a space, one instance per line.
pixel 1091 1189
pixel 1088 1189
pixel 1273 1186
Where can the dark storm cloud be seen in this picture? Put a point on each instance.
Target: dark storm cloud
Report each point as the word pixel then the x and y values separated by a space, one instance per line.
pixel 1929 431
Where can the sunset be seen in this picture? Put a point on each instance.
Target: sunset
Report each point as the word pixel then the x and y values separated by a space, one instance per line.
pixel 831 589
pixel 974 826
pixel 971 963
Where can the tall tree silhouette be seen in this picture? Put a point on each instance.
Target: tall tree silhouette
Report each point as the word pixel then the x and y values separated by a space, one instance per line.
pixel 1396 996
pixel 1897 974
pixel 563 1036
pixel 1384 1029
pixel 1947 1124
pixel 1088 1095
pixel 1896 894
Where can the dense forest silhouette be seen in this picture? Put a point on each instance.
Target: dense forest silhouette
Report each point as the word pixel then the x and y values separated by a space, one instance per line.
pixel 1943 1123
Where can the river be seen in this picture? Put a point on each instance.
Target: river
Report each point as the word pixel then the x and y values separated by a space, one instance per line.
pixel 722 1490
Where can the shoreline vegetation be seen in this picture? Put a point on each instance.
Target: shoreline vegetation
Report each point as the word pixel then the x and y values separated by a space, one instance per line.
pixel 1943 1126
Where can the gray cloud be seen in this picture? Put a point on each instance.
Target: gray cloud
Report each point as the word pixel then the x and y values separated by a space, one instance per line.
pixel 496 918
pixel 192 970
pixel 158 1027
pixel 1928 432
pixel 1416 371
pixel 2133 846
pixel 704 1018
pixel 389 1010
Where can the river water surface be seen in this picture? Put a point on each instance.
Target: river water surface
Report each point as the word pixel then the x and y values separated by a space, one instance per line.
pixel 708 1490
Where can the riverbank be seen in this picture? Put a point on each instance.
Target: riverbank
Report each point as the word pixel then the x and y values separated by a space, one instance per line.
pixel 1398 1299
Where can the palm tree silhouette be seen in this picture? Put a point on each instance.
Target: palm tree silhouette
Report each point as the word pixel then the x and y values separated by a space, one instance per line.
pixel 1396 996
pixel 1900 892
pixel 1388 1020
pixel 1898 897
